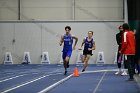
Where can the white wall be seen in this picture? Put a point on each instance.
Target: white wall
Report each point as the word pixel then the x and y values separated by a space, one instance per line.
pixel 37 37
pixel 62 9
pixel 8 9
pixel 99 9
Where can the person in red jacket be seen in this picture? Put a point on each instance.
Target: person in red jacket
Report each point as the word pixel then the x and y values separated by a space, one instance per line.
pixel 128 49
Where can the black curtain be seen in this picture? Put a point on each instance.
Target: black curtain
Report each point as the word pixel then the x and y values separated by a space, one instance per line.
pixel 134 22
pixel 133 13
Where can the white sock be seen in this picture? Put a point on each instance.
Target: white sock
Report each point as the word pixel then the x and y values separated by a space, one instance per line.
pixel 120 69
pixel 125 70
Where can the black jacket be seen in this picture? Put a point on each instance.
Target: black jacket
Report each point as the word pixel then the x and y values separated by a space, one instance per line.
pixel 119 39
pixel 137 37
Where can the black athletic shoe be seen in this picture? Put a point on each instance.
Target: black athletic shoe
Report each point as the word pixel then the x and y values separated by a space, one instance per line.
pixel 83 70
pixel 65 73
pixel 130 79
pixel 68 65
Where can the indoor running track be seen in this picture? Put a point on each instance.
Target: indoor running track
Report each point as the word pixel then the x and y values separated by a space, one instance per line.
pixel 47 78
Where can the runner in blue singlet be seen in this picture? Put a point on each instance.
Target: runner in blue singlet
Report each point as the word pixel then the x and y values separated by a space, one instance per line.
pixel 67 39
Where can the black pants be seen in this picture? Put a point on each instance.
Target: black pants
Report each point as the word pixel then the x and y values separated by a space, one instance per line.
pixel 137 65
pixel 119 63
pixel 130 65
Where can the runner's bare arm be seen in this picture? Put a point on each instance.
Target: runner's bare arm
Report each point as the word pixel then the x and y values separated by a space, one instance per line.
pixel 76 40
pixel 61 40
pixel 80 48
pixel 94 46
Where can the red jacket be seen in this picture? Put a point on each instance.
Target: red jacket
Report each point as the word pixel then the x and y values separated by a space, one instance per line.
pixel 128 43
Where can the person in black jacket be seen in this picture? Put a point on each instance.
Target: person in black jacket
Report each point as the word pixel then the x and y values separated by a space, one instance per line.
pixel 137 56
pixel 119 55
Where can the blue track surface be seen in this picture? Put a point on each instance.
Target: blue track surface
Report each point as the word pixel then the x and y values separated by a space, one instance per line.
pixel 87 83
pixel 34 78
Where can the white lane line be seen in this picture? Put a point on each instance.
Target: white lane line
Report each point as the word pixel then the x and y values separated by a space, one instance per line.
pixel 63 80
pixel 99 83
pixel 55 84
pixel 12 78
pixel 6 77
pixel 107 70
pixel 58 81
pixel 57 70
pixel 28 82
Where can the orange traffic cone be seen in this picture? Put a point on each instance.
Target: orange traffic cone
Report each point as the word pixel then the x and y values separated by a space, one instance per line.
pixel 76 73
